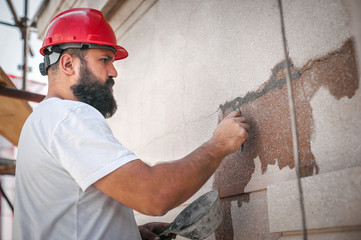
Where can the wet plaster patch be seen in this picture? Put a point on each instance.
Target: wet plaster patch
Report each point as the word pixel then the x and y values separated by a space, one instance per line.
pixel 267 112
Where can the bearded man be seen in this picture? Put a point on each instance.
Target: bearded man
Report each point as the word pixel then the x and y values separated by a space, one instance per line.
pixel 74 179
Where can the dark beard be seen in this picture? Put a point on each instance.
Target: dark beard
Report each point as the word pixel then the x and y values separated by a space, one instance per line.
pixel 91 91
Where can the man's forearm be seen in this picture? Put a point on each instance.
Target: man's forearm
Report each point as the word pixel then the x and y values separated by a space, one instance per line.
pixel 186 176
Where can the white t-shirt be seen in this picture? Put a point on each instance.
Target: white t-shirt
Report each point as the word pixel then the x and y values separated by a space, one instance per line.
pixel 65 146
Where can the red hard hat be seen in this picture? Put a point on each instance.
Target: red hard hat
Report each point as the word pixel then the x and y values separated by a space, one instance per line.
pixel 82 25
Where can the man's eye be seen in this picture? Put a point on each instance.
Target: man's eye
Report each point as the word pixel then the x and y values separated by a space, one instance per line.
pixel 105 60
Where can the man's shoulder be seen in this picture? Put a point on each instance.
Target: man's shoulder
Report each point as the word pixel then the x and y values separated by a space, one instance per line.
pixel 54 111
pixel 57 106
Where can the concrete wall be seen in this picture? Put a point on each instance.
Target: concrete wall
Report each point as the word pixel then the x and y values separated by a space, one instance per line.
pixel 191 61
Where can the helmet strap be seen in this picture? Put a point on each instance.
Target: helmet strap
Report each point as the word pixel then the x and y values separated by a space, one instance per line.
pixel 48 61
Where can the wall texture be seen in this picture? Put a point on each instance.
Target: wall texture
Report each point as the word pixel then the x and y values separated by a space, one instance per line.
pixel 191 61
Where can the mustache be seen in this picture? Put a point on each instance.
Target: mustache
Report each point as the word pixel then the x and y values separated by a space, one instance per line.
pixel 109 82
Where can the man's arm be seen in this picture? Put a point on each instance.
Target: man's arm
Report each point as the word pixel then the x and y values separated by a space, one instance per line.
pixel 155 190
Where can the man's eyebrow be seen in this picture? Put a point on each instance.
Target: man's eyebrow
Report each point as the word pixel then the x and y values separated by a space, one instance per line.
pixel 108 57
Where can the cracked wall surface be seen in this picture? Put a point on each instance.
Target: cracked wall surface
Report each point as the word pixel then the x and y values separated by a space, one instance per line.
pixel 267 111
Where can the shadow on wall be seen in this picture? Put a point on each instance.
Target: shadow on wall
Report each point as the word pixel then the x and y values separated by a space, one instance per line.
pixel 267 111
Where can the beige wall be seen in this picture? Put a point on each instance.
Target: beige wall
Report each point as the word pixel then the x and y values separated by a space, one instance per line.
pixel 189 61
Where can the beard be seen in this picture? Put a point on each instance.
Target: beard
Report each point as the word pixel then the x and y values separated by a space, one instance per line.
pixel 90 90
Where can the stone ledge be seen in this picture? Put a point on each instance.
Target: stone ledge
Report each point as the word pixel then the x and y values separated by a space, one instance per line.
pixel 332 200
pixel 339 235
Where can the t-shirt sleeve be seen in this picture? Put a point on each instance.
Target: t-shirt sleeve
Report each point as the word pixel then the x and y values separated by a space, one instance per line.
pixel 86 148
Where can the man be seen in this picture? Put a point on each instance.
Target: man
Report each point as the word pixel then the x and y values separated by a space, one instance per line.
pixel 74 180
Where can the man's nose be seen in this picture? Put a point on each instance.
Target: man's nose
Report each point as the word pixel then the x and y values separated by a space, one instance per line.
pixel 112 72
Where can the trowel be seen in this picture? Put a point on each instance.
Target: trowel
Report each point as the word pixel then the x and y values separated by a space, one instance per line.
pixel 197 221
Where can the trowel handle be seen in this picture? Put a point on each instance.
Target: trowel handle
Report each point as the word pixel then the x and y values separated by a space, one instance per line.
pixel 164 232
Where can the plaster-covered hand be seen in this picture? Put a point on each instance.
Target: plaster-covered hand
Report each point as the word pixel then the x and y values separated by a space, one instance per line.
pixel 230 134
pixel 147 231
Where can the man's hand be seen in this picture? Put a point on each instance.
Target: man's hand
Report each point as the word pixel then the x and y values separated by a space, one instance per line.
pixel 231 133
pixel 147 231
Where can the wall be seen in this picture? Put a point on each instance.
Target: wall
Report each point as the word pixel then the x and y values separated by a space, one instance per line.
pixel 190 62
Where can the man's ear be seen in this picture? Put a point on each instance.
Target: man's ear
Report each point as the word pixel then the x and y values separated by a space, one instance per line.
pixel 67 64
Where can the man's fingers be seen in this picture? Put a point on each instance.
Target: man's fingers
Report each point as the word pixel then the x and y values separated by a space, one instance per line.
pixel 241 119
pixel 233 114
pixel 245 126
pixel 236 115
pixel 232 131
pixel 244 134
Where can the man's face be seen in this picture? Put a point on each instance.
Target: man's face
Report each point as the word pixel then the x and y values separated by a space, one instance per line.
pixel 94 90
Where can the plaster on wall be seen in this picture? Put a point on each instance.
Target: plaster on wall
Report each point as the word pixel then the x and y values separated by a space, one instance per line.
pixel 334 73
pixel 267 112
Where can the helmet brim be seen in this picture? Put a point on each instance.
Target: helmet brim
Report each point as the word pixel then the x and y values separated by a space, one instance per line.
pixel 121 53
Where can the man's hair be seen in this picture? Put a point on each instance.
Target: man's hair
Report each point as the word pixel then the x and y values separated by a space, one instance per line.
pixel 74 52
